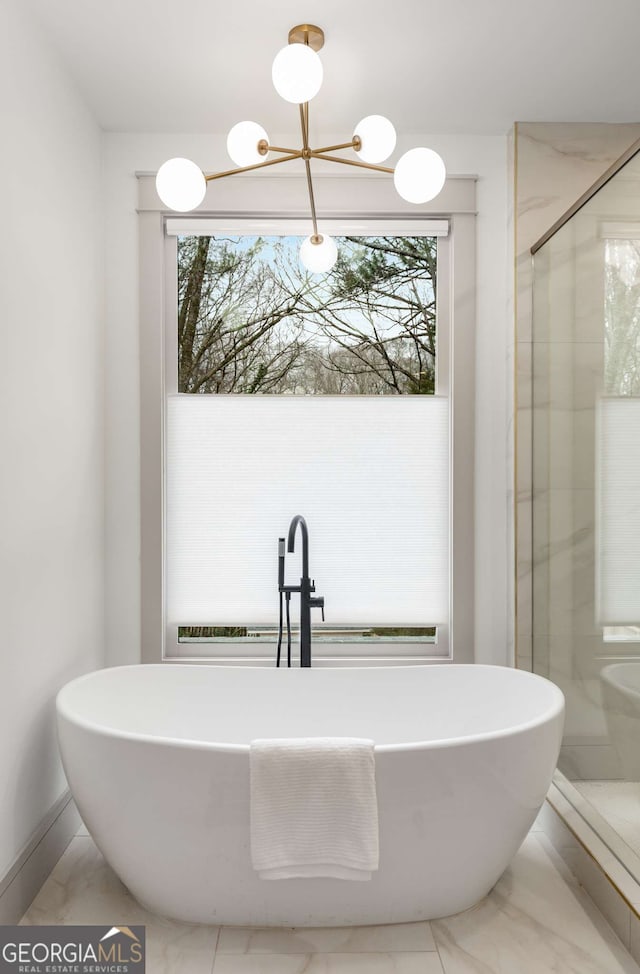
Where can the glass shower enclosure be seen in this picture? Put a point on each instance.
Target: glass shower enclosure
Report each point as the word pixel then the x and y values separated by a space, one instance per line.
pixel 586 499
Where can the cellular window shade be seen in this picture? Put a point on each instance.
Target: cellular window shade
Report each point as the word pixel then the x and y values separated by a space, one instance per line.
pixel 369 474
pixel 618 512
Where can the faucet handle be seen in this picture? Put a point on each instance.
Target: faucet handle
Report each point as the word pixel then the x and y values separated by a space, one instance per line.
pixel 317 603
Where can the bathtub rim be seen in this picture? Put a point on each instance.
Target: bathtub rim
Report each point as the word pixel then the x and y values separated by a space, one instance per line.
pixel 547 716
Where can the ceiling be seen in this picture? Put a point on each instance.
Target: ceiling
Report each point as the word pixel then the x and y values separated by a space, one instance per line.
pixel 449 67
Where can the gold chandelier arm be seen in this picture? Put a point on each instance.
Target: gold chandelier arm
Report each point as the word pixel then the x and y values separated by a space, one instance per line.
pixel 276 148
pixel 257 165
pixel 317 154
pixel 306 152
pixel 354 144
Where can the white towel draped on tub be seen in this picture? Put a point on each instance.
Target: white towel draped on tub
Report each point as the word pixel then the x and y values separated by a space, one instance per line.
pixel 314 810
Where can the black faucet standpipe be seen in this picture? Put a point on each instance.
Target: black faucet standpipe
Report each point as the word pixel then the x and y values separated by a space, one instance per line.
pixel 305 588
pixel 280 591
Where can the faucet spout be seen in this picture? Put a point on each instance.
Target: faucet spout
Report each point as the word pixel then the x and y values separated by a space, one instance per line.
pixel 299 520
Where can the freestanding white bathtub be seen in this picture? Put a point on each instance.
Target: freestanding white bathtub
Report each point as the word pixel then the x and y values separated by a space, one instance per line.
pixel 157 758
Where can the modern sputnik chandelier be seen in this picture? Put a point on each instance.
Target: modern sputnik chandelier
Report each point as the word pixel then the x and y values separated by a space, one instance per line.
pixel 418 176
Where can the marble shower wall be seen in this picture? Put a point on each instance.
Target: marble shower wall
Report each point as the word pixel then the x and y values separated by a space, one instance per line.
pixel 552 165
pixel 559 353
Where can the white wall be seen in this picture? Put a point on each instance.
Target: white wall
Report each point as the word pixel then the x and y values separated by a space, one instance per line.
pixel 51 416
pixel 124 155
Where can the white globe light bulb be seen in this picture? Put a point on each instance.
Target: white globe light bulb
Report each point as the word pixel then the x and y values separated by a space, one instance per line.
pixel 419 175
pixel 242 143
pixel 297 73
pixel 319 257
pixel 377 136
pixel 181 184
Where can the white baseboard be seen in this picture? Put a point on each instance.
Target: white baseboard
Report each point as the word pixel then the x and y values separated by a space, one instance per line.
pixel 23 879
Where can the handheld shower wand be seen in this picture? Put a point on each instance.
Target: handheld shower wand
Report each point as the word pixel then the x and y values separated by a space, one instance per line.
pixel 280 564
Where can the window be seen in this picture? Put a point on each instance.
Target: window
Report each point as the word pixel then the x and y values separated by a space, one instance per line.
pixel 247 332
pixel 618 415
pixel 252 321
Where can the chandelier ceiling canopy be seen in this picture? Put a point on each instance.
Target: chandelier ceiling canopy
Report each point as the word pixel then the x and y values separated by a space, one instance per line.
pixel 297 73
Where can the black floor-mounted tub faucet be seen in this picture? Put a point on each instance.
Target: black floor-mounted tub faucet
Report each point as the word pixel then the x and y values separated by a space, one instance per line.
pixel 305 589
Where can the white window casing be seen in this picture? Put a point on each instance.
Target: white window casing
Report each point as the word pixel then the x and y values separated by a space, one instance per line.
pixel 371 552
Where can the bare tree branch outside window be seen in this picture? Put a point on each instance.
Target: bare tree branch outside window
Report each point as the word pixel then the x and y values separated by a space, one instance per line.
pixel 252 320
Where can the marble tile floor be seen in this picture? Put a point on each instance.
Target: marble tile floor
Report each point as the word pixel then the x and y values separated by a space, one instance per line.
pixel 537 920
